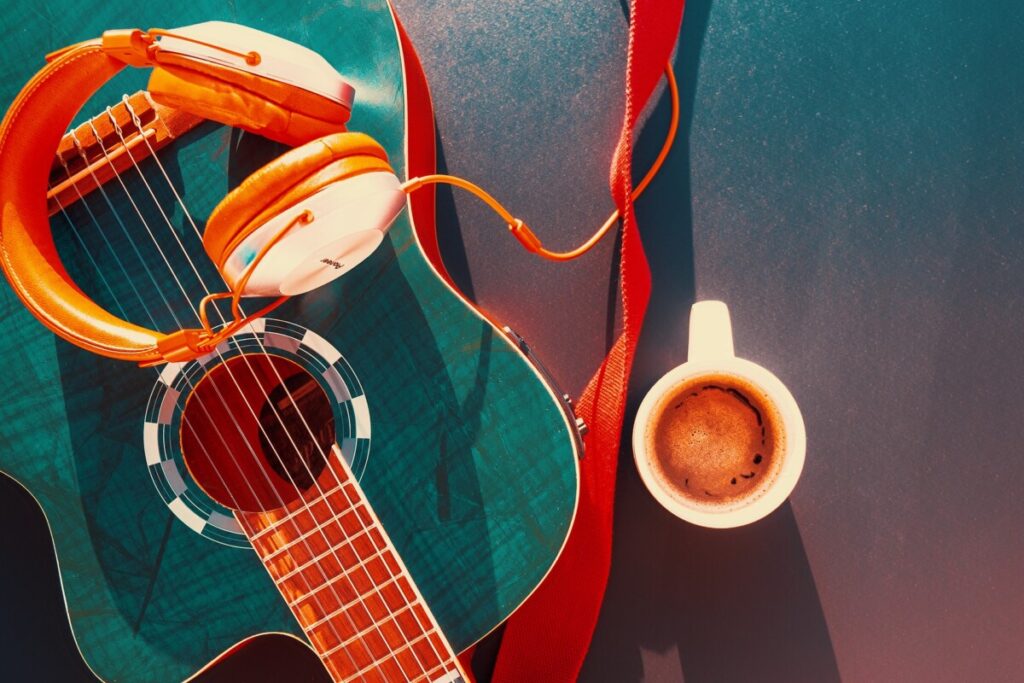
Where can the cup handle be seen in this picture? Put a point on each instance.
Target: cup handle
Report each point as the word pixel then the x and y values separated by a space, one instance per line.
pixel 710 332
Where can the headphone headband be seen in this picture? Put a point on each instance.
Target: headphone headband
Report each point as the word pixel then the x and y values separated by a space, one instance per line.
pixel 242 48
pixel 33 126
pixel 293 80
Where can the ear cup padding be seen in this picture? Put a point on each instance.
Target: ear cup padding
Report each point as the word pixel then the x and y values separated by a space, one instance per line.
pixel 286 181
pixel 221 244
pixel 276 110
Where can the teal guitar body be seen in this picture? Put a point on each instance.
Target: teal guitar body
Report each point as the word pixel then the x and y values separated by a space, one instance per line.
pixel 466 455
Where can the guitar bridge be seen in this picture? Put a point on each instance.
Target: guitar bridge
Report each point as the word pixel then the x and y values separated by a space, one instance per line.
pixel 94 152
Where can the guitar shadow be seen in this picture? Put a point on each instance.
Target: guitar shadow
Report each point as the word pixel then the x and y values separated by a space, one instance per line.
pixel 131 531
pixel 445 458
pixel 684 601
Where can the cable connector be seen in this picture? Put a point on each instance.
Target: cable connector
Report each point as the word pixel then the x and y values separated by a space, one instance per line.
pixel 413 184
pixel 183 345
pixel 521 231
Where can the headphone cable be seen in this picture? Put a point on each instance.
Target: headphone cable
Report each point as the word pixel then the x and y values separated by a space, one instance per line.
pixel 521 231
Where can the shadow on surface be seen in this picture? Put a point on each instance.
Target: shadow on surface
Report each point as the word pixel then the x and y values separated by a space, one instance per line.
pixel 684 601
pixel 766 618
pixel 39 641
pixel 705 604
pixel 268 659
pixel 449 228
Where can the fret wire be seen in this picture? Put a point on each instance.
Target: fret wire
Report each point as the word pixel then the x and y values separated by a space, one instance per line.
pixel 393 655
pixel 277 415
pixel 327 553
pixel 376 589
pixel 440 668
pixel 137 121
pixel 262 532
pixel 120 222
pixel 386 541
pixel 360 634
pixel 332 520
pixel 345 477
pixel 377 586
pixel 403 570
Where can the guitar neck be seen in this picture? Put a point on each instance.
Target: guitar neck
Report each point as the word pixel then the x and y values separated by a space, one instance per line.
pixel 346 584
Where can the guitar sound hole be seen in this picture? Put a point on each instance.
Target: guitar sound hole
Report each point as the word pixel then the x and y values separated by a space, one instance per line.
pixel 256 431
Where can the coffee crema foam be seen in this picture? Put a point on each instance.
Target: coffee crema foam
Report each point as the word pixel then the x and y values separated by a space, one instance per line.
pixel 715 440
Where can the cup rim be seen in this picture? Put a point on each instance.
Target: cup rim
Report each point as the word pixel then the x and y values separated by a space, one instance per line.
pixel 793 460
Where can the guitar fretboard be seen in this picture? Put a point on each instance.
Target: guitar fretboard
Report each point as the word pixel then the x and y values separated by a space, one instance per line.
pixel 347 586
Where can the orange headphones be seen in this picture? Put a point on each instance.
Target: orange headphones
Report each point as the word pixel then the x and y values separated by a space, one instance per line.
pixel 299 222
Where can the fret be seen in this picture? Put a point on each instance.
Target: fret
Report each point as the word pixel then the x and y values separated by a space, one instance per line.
pixel 359 617
pixel 394 655
pixel 360 634
pixel 385 672
pixel 344 550
pixel 452 675
pixel 330 552
pixel 351 591
pixel 382 633
pixel 301 507
pixel 351 547
pixel 440 645
pixel 349 584
pixel 444 673
pixel 306 534
pixel 341 609
pixel 312 593
pixel 376 606
pixel 355 621
pixel 346 585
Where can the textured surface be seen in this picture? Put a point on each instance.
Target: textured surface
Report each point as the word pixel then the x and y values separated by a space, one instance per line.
pixel 472 469
pixel 849 181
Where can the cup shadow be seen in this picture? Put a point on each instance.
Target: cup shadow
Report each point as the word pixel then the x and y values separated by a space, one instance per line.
pixel 685 602
pixel 708 605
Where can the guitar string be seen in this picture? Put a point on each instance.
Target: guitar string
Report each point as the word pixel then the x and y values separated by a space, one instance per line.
pixel 298 452
pixel 123 270
pixel 333 550
pixel 178 322
pixel 121 307
pixel 150 316
pixel 152 154
pixel 138 125
pixel 117 302
pixel 255 457
pixel 378 549
pixel 121 266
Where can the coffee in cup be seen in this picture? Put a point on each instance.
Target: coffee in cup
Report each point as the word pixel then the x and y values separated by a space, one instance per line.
pixel 719 441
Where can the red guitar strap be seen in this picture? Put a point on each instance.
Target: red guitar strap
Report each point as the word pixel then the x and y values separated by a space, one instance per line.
pixel 547 639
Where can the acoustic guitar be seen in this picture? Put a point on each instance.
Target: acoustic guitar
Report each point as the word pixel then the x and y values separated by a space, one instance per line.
pixel 399 463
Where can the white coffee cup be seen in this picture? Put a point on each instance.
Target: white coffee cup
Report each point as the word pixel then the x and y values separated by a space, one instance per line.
pixel 711 353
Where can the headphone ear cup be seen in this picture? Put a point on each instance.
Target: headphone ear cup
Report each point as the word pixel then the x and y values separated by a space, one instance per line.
pixel 276 110
pixel 344 177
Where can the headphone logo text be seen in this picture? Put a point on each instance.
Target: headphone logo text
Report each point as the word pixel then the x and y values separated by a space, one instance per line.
pixel 331 262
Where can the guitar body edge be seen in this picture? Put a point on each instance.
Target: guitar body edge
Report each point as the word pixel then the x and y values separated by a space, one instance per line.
pixel 472 463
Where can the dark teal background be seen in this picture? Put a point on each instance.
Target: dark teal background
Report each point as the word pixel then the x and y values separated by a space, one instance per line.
pixel 848 178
